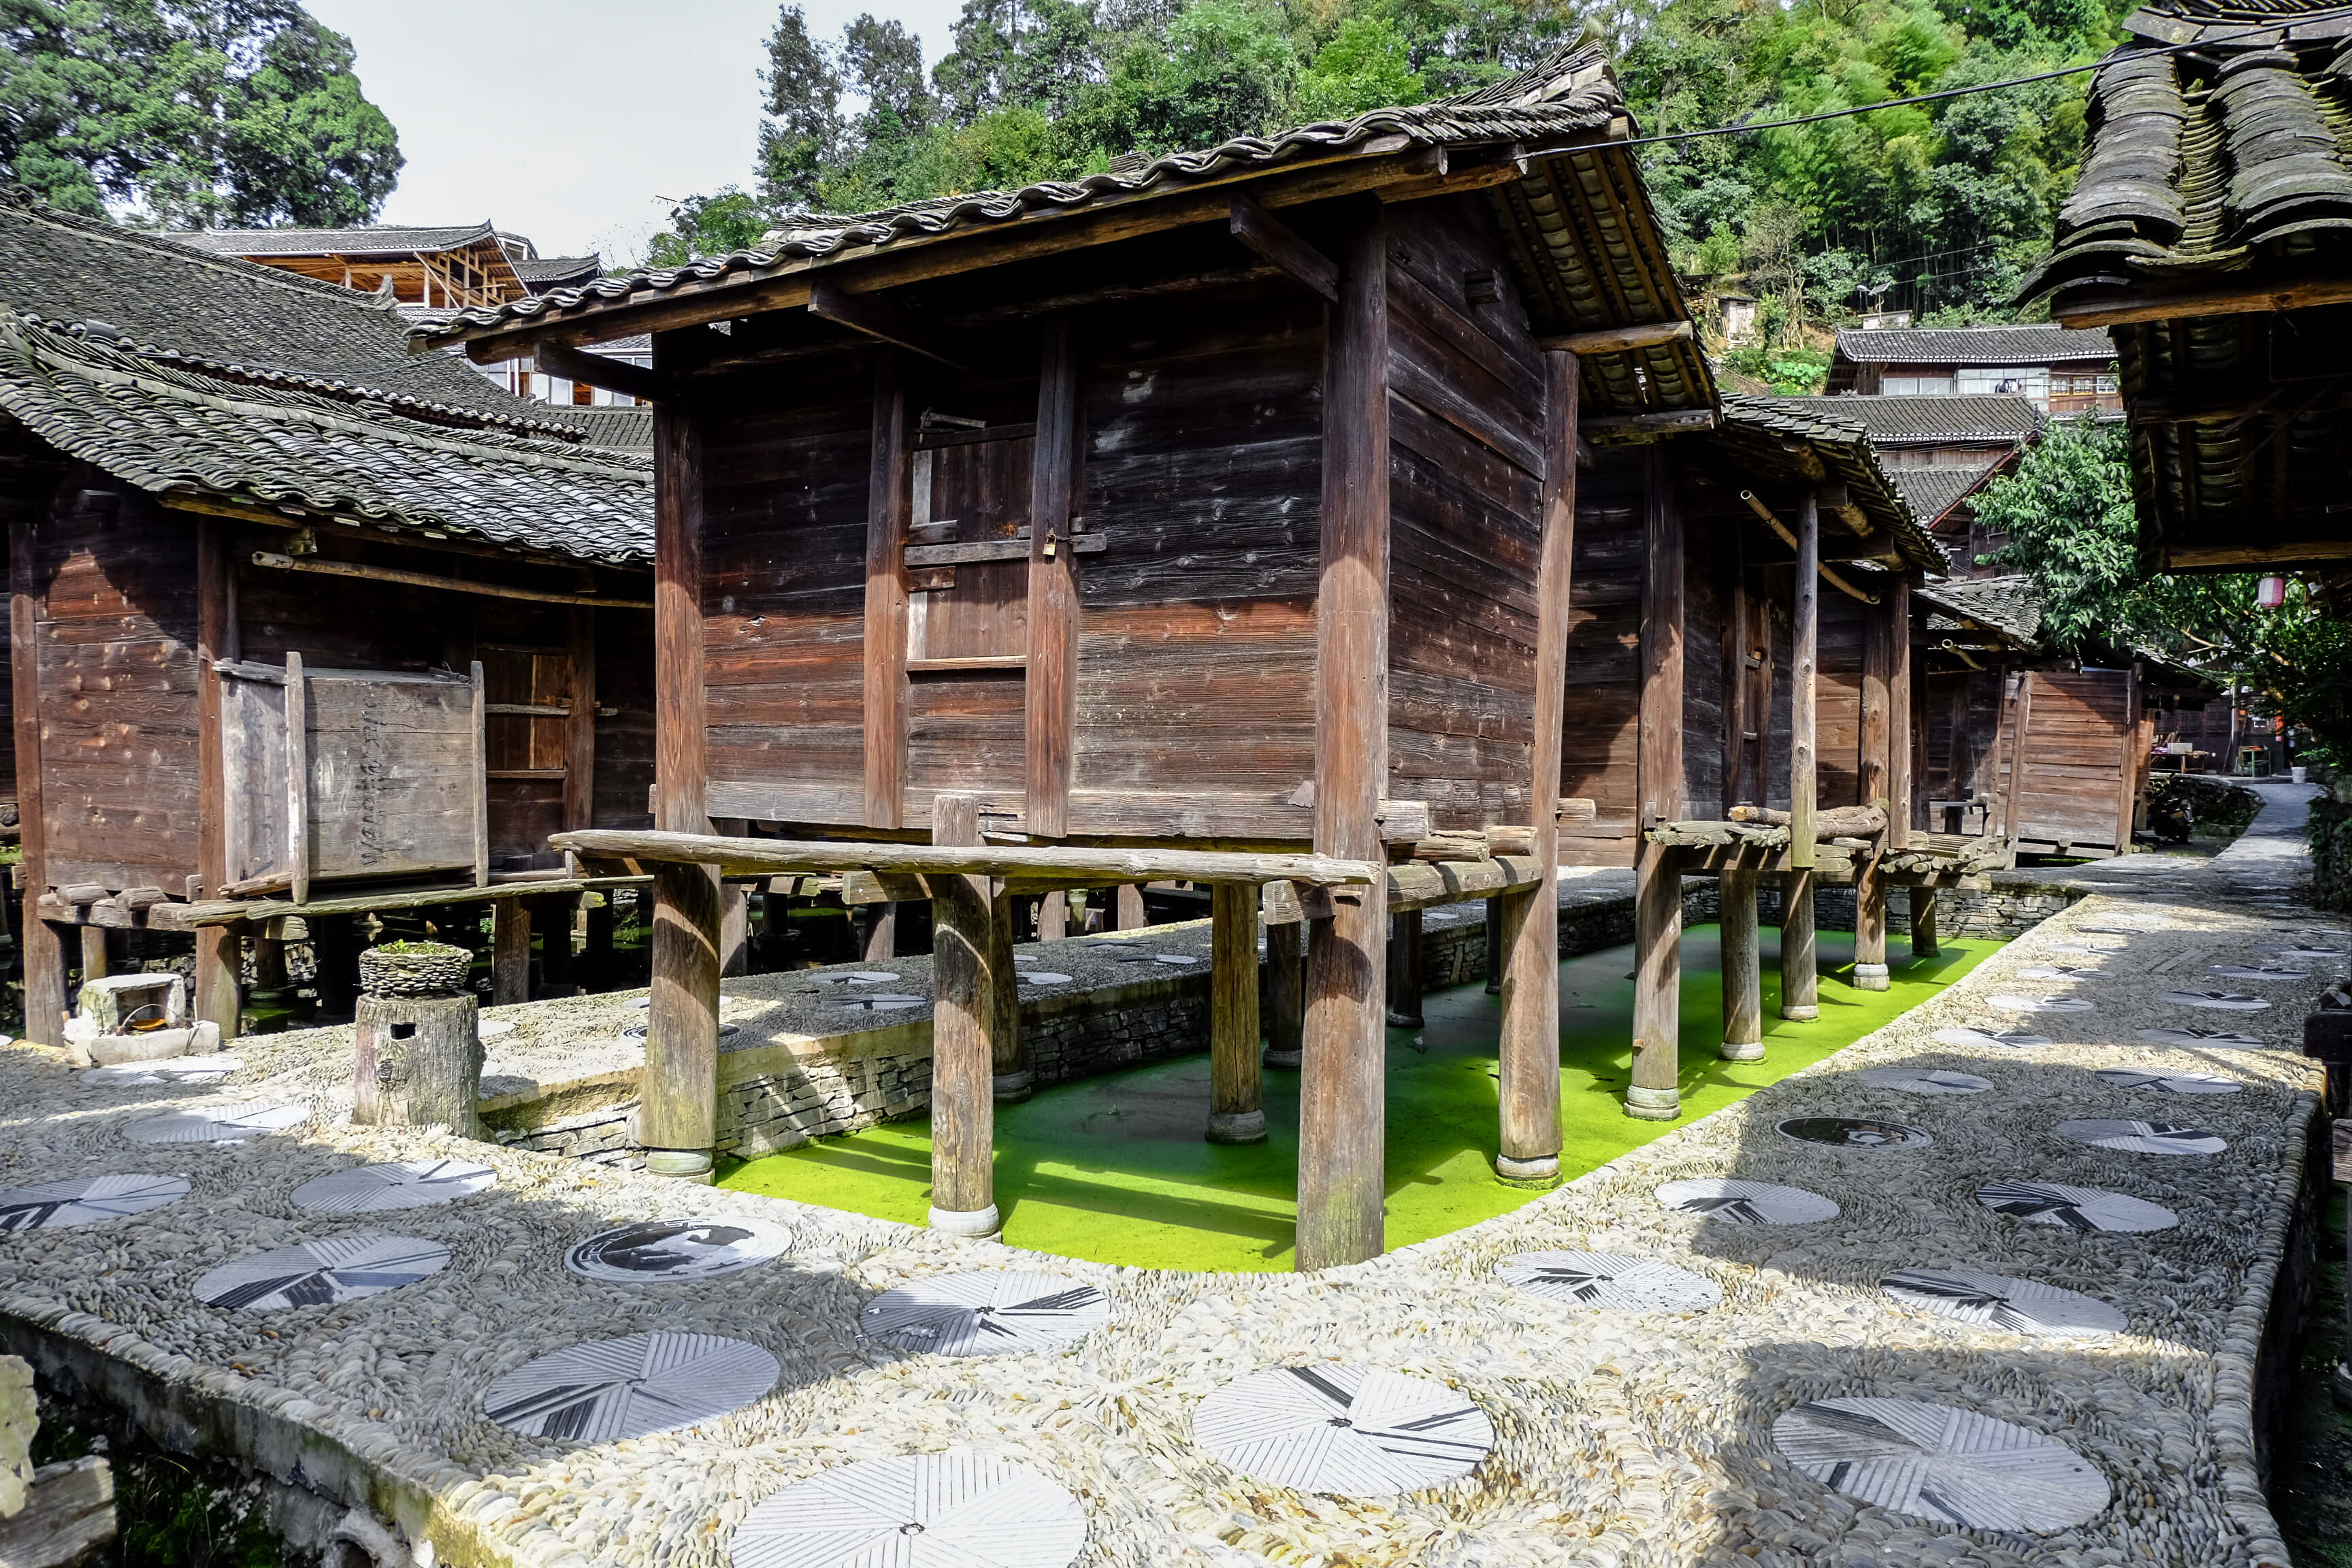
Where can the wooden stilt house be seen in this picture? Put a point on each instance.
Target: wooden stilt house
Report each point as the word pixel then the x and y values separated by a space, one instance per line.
pixel 285 645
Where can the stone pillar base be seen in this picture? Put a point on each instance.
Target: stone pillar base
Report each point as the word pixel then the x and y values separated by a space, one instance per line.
pixel 967 1222
pixel 1287 1061
pixel 680 1164
pixel 1011 1088
pixel 1236 1126
pixel 1800 1014
pixel 1544 1171
pixel 1743 1050
pixel 1652 1104
pixel 1870 977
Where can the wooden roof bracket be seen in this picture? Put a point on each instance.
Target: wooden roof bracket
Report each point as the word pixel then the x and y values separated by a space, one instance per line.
pixel 876 316
pixel 1280 244
pixel 1832 578
pixel 603 370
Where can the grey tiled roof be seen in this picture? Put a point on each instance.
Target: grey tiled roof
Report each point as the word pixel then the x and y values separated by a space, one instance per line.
pixel 1932 492
pixel 542 273
pixel 1895 421
pixel 1587 245
pixel 168 426
pixel 2231 157
pixel 383 239
pixel 1972 345
pixel 2007 606
pixel 161 294
pixel 1759 428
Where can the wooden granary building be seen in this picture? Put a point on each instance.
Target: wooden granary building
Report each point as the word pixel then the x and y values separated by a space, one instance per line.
pixel 1304 516
pixel 297 621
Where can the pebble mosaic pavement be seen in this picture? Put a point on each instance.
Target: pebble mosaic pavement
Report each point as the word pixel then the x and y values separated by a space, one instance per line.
pixel 1984 1408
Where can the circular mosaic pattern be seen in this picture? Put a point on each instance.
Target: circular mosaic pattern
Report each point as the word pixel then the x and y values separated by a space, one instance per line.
pixel 984 1312
pixel 221 1124
pixel 2118 929
pixel 2104 950
pixel 2220 1001
pixel 1926 1080
pixel 1344 1431
pixel 2297 951
pixel 2001 1039
pixel 409 1184
pixel 1998 1301
pixel 1611 1281
pixel 605 1391
pixel 637 1031
pixel 882 1002
pixel 320 1273
pixel 2171 1082
pixel 2016 1003
pixel 1853 1132
pixel 1746 1203
pixel 955 1509
pixel 2075 1208
pixel 1942 1463
pixel 61 1205
pixel 2058 972
pixel 1045 977
pixel 2258 972
pixel 2196 1038
pixel 2141 1137
pixel 170 1069
pixel 853 977
pixel 648 1250
pixel 1155 958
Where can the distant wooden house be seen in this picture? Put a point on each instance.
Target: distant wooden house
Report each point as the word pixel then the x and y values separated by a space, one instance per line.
pixel 2060 372
pixel 453 264
pixel 280 636
pixel 1940 452
pixel 2211 235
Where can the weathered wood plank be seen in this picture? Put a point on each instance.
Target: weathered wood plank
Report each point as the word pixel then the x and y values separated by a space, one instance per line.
pixel 1050 696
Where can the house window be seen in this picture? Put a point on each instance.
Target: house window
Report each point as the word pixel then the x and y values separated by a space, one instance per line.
pixel 1916 385
pixel 2010 380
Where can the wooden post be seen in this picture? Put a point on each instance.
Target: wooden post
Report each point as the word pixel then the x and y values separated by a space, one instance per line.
pixel 1342 1105
pixel 1527 1050
pixel 1132 913
pixel 1049 697
pixel 93 953
pixel 1236 1089
pixel 1008 1057
pixel 335 959
pixel 1743 994
pixel 579 723
pixel 217 996
pixel 268 962
pixel 555 919
pixel 881 933
pixel 418 1063
pixel 1655 1093
pixel 963 1104
pixel 1875 769
pixel 1903 739
pixel 1285 984
pixel 1736 720
pixel 1494 912
pixel 1404 970
pixel 1053 916
pixel 596 945
pixel 1923 924
pixel 2013 781
pixel 1799 981
pixel 734 929
pixel 509 952
pixel 890 501
pixel 678 1098
pixel 2133 758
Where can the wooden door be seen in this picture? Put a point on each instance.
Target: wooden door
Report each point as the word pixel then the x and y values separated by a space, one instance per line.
pixel 2075 783
pixel 968 616
pixel 528 701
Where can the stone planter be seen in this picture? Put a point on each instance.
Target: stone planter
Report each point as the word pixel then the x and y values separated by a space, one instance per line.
pixel 415 969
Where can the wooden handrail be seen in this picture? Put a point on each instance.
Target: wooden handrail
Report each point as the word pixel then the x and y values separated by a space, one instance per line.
pixel 744 856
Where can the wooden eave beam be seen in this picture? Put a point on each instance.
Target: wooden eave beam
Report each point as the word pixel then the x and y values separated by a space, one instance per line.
pixel 740 856
pixel 1391 162
pixel 603 370
pixel 1617 340
pixel 1281 245
pixel 2220 557
pixel 878 317
pixel 2112 308
pixel 1667 423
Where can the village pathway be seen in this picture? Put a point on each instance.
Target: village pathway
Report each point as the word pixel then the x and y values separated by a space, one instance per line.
pixel 1986 1288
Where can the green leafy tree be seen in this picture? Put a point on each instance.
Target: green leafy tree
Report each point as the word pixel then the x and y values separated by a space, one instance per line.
pixel 802 131
pixel 1367 64
pixel 190 112
pixel 715 225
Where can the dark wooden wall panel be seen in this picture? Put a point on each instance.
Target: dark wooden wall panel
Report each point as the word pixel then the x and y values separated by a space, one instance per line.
pixel 2073 758
pixel 1599 735
pixel 1838 704
pixel 624 738
pixel 1708 543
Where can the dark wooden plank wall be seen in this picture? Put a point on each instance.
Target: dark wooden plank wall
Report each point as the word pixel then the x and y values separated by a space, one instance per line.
pixel 1597 736
pixel 785 582
pixel 1465 409
pixel 2073 757
pixel 22 504
pixel 1196 636
pixel 1708 543
pixel 119 697
pixel 1839 705
pixel 1965 704
pixel 624 738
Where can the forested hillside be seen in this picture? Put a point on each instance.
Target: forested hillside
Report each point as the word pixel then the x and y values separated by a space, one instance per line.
pixel 1936 208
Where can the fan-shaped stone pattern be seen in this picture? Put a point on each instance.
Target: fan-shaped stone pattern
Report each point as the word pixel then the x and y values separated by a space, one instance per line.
pixel 1997 1039
pixel 2141 1137
pixel 2217 1001
pixel 2189 1037
pixel 647 1252
pixel 984 1313
pixel 1344 1431
pixel 2170 1083
pixel 1998 1301
pixel 1738 1202
pixel 1853 1132
pixel 86 1200
pixel 2075 1208
pixel 197 1071
pixel 401 1185
pixel 607 1390
pixel 1943 1463
pixel 218 1124
pixel 958 1508
pixel 2271 972
pixel 1926 1080
pixel 322 1273
pixel 2016 1003
pixel 1611 1281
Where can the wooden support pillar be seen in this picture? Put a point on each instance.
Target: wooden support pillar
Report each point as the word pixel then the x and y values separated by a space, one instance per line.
pixel 417 1062
pixel 1654 1094
pixel 1132 915
pixel 555 919
pixel 579 723
pixel 217 998
pixel 1050 691
pixel 509 952
pixel 734 929
pixel 1404 970
pixel 1236 1089
pixel 890 502
pixel 1342 1099
pixel 1528 1051
pixel 334 961
pixel 1285 984
pixel 1494 912
pixel 1800 979
pixel 881 933
pixel 269 963
pixel 1876 769
pixel 93 953
pixel 963 1101
pixel 678 1099
pixel 1053 916
pixel 1743 994
pixel 1008 1055
pixel 1923 924
pixel 597 944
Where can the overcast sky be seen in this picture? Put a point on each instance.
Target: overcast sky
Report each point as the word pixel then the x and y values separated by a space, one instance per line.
pixel 569 121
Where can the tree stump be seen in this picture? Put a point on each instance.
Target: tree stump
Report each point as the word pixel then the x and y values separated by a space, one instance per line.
pixel 416 1050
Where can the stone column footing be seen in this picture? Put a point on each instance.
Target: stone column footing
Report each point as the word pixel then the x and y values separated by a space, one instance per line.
pixel 680 1164
pixel 1545 1168
pixel 975 1222
pixel 1870 977
pixel 1652 1104
pixel 1011 1088
pixel 1236 1126
pixel 1285 1061
pixel 1743 1050
pixel 1800 1014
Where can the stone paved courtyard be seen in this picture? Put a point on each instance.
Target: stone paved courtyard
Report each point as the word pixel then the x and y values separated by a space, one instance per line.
pixel 2083 1159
